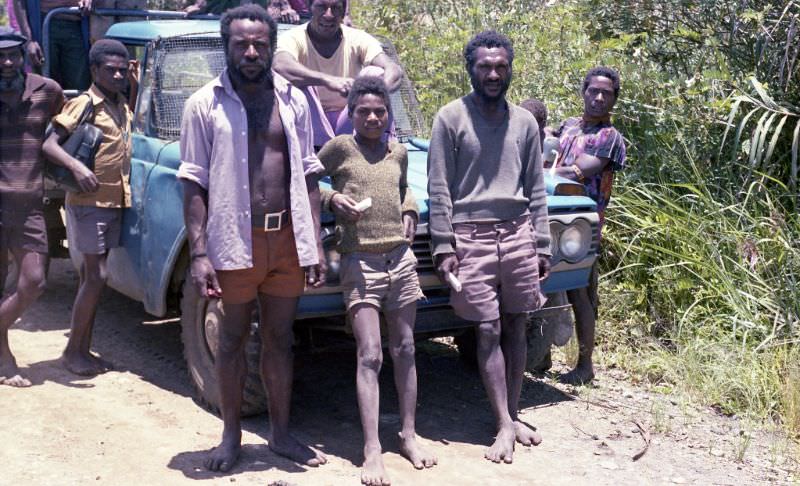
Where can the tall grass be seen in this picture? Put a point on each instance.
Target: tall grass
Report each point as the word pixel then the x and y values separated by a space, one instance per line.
pixel 701 291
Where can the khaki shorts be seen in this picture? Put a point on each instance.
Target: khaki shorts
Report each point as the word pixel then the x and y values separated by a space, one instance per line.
pixel 387 281
pixel 92 230
pixel 276 269
pixel 26 230
pixel 498 269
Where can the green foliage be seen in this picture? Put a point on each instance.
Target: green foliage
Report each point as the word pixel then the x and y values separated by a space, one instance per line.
pixel 701 249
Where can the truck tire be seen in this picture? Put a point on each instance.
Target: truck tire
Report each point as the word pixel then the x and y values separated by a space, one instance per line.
pixel 467 344
pixel 551 325
pixel 200 319
pixel 538 346
pixel 548 326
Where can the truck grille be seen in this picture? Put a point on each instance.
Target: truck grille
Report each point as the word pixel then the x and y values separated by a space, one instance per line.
pixel 422 250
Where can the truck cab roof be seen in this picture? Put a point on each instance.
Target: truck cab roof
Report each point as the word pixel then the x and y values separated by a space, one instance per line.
pixel 144 31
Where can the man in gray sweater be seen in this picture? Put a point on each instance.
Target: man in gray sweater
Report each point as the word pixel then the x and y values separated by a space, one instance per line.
pixel 488 225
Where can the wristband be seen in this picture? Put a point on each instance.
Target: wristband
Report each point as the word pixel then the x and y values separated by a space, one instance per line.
pixel 578 173
pixel 199 255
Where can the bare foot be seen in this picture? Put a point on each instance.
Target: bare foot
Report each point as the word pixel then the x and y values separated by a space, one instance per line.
pixel 10 375
pixel 84 365
pixel 224 456
pixel 419 457
pixel 289 447
pixel 526 435
pixel 578 376
pixel 100 362
pixel 373 472
pixel 503 447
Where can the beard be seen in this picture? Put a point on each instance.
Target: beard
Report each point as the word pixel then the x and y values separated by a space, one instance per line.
pixel 478 88
pixel 265 74
pixel 17 83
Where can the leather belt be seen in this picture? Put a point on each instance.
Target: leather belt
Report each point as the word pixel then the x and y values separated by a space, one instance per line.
pixel 271 221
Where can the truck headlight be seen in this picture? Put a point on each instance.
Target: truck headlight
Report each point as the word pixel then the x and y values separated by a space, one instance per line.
pixel 575 240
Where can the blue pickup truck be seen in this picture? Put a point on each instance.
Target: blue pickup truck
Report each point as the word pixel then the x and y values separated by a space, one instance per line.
pixel 177 58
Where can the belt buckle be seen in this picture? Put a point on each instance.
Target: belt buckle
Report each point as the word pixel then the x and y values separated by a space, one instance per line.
pixel 272 221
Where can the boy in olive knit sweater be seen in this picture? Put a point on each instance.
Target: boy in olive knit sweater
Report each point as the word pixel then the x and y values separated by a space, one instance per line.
pixel 378 268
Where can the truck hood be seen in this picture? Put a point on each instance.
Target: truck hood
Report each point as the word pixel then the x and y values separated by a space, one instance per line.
pixel 418 180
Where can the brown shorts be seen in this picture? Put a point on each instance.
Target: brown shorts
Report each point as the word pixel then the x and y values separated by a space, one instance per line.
pixel 498 269
pixel 276 271
pixel 388 280
pixel 92 230
pixel 23 229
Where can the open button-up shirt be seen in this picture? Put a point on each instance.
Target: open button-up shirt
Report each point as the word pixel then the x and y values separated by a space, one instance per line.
pixel 214 154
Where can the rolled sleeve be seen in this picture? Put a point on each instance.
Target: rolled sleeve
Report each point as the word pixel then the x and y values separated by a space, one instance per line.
pixel 195 145
pixel 305 136
pixel 291 42
pixel 369 47
pixel 326 196
pixel 609 144
pixel 71 113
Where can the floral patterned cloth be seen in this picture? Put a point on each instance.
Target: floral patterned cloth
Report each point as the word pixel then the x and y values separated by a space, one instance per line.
pixel 600 140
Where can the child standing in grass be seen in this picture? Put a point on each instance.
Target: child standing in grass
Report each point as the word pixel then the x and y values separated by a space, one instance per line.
pixel 378 267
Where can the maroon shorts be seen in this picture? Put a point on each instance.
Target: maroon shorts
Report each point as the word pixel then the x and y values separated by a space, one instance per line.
pixel 276 270
pixel 23 229
pixel 498 269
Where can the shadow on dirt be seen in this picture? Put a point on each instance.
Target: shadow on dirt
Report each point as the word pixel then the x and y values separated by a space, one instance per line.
pixel 452 408
pixel 53 371
pixel 254 458
pixel 452 402
pixel 124 334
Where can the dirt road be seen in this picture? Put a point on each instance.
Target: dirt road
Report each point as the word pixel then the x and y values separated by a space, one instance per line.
pixel 138 425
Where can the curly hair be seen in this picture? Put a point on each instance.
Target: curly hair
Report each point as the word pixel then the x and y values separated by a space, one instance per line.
pixel 537 109
pixel 104 48
pixel 309 3
pixel 488 39
pixel 249 11
pixel 605 72
pixel 367 85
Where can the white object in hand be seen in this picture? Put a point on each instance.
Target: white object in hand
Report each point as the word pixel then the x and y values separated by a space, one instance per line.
pixel 364 205
pixel 453 281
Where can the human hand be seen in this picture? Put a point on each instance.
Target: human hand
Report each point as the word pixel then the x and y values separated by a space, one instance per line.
pixel 204 277
pixel 446 263
pixel 345 207
pixel 544 266
pixel 85 6
pixel 340 85
pixel 315 274
pixel 87 181
pixel 197 7
pixel 409 226
pixel 289 16
pixel 133 73
pixel 35 54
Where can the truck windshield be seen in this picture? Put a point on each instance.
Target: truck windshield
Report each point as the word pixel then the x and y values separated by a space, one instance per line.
pixel 179 66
